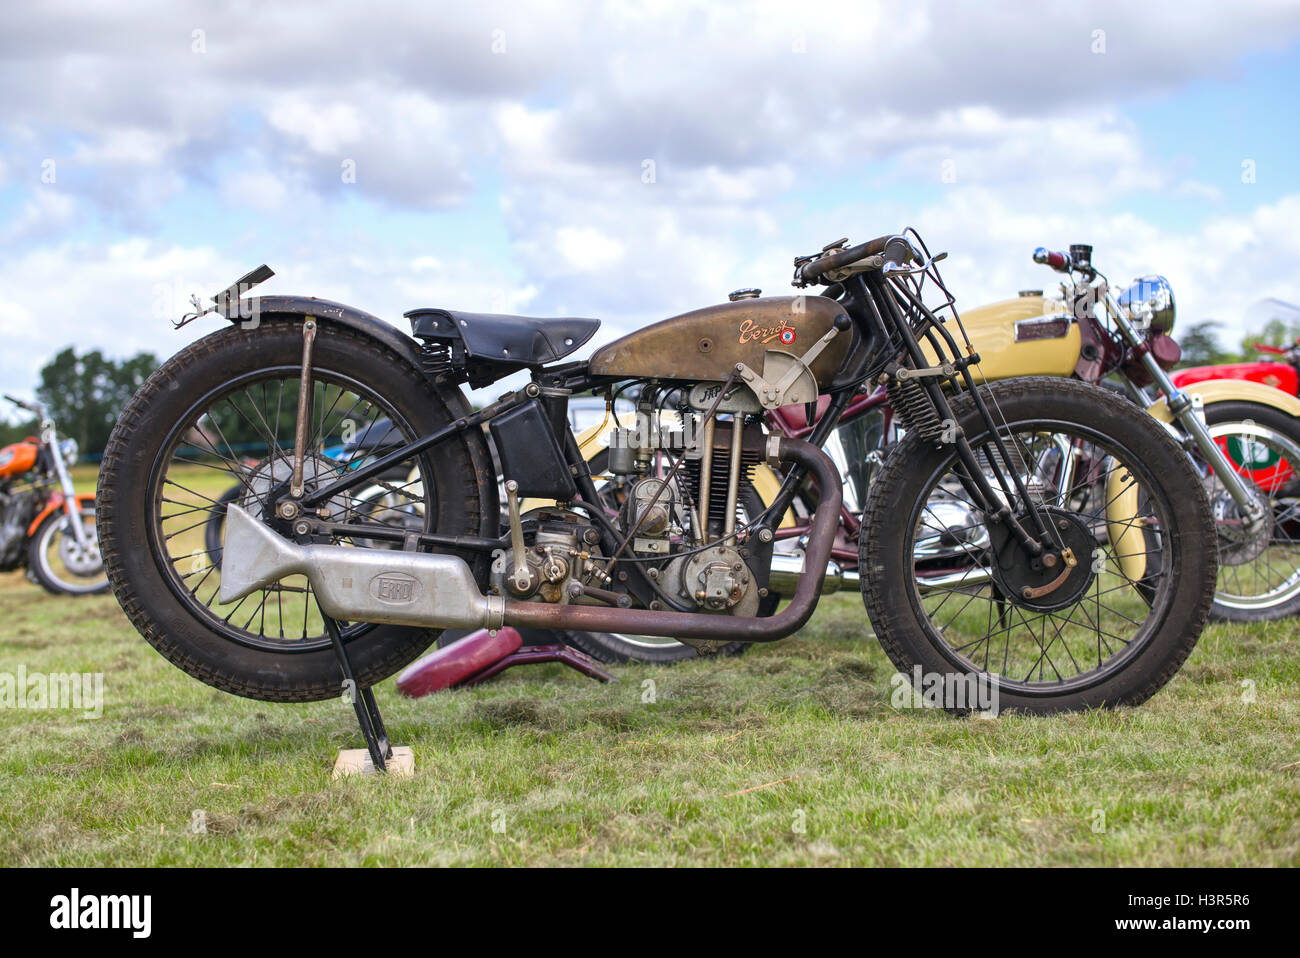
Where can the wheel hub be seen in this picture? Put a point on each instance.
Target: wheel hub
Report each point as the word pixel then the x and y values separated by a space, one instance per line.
pixel 1238 543
pixel 1054 580
pixel 76 559
pixel 270 475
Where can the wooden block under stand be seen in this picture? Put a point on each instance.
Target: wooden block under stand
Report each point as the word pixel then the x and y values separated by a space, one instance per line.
pixel 356 761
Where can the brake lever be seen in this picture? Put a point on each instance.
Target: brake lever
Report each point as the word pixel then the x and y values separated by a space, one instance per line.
pixel 922 264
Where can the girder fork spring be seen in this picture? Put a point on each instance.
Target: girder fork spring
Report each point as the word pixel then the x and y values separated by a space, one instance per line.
pixel 915 409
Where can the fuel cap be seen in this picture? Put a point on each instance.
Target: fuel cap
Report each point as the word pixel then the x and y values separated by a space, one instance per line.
pixel 748 293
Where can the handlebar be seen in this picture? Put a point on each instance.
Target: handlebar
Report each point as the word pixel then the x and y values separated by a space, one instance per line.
pixel 23 405
pixel 1061 262
pixel 892 249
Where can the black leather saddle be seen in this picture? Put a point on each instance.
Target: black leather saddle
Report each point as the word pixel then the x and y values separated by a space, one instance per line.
pixel 502 340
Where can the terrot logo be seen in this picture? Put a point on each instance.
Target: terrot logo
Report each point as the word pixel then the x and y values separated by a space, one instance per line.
pixel 395 588
pixel 750 332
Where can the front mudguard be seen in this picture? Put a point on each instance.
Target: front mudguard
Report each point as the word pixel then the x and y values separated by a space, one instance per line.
pixel 253 310
pixel 1231 390
pixel 56 502
pixel 1128 542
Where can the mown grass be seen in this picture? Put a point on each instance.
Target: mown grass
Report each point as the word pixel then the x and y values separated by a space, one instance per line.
pixel 791 754
pixel 545 767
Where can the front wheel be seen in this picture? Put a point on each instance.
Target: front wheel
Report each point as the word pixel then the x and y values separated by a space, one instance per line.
pixel 60 562
pixel 1108 626
pixel 1259 568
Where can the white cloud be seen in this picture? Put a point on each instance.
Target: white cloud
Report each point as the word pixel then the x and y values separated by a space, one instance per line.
pixel 324 127
pixel 772 129
pixel 256 189
pixel 585 249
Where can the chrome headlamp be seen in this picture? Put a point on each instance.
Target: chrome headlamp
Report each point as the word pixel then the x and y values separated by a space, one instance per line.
pixel 1149 303
pixel 69 450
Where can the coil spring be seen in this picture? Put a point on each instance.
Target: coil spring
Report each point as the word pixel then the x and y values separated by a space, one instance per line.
pixel 914 409
pixel 435 358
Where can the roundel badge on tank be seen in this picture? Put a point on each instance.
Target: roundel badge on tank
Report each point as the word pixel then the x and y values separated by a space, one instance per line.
pixel 787 336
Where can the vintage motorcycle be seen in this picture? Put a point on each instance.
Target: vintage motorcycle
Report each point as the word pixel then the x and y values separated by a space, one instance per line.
pixel 45 524
pixel 1087 586
pixel 1254 431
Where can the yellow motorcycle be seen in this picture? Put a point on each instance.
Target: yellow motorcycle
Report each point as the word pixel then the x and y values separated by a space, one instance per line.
pixel 1244 438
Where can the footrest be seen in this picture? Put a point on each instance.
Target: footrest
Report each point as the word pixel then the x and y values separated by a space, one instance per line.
pixel 456 662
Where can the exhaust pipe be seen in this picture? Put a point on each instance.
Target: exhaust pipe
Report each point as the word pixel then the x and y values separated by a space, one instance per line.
pixel 439 591
pixel 357 585
pixel 787 572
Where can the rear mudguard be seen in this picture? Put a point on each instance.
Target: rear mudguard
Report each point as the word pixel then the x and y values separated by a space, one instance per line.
pixel 252 310
pixel 56 502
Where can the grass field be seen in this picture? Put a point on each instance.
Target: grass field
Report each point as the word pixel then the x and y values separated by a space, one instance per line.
pixel 791 754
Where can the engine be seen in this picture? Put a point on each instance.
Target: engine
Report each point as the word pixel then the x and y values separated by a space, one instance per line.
pixel 682 485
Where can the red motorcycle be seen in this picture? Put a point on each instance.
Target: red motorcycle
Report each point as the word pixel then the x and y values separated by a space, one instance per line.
pixel 1264 466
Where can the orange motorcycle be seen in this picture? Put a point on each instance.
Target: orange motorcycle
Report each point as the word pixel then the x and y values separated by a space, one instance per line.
pixel 45 524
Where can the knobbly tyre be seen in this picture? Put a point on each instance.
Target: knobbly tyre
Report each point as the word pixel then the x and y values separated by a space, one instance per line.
pixel 1098 587
pixel 45 524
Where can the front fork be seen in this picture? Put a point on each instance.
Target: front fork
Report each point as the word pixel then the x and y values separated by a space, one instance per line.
pixel 1184 410
pixel 70 504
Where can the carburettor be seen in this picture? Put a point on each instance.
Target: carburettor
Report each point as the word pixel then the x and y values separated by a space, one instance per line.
pixel 560 564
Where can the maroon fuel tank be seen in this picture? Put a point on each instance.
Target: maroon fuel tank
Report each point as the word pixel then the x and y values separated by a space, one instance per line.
pixel 706 344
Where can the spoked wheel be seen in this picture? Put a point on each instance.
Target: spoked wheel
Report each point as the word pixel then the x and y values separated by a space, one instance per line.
pixel 1259 568
pixel 61 563
pixel 1119 499
pixel 220 416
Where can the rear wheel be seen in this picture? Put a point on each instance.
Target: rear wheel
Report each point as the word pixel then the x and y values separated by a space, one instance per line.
pixel 221 413
pixel 1109 628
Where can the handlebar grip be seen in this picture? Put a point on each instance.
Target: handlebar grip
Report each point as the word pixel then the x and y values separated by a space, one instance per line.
pixel 18 402
pixel 1059 261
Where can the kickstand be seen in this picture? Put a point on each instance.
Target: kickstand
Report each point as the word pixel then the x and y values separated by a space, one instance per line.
pixel 363 701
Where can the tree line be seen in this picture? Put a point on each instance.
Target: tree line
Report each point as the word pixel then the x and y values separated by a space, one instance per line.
pixel 1276 323
pixel 84 393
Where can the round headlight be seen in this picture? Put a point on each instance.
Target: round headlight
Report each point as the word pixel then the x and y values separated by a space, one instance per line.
pixel 69 450
pixel 1149 303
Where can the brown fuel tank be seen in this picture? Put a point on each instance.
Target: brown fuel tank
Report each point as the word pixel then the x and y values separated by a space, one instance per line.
pixel 706 344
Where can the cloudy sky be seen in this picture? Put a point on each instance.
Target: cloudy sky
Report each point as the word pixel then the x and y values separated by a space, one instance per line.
pixel 627 160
